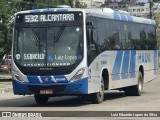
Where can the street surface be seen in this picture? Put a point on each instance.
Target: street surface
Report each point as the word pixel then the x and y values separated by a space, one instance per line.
pixel 114 101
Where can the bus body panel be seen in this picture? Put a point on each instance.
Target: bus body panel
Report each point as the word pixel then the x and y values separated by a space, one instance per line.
pixel 123 67
pixel 25 88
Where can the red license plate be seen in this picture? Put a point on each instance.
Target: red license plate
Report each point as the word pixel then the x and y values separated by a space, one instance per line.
pixel 49 91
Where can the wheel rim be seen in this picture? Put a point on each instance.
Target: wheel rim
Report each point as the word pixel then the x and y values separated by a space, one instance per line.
pixel 140 84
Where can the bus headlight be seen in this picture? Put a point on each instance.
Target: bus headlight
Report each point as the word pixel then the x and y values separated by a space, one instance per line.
pixel 78 75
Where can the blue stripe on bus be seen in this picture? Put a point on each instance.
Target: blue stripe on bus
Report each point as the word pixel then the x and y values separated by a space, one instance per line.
pixel 46 79
pixel 117 66
pixel 116 16
pixel 48 10
pixel 132 64
pixel 35 11
pixel 62 10
pixel 125 65
pixel 33 79
pixel 130 19
pixel 77 87
pixel 55 10
pixel 147 21
pixel 123 17
pixel 60 78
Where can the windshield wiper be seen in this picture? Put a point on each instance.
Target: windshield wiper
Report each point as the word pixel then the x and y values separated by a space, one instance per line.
pixel 36 37
pixel 59 33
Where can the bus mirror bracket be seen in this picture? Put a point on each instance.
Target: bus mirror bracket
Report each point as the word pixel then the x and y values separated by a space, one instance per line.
pixel 94 36
pixel 91 35
pixel 92 47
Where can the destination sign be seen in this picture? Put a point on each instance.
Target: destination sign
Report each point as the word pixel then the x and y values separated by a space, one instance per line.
pixel 49 17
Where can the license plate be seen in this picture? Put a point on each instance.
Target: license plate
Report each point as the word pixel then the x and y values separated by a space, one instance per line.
pixel 50 91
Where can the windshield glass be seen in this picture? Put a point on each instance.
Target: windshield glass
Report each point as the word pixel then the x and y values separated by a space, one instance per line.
pixel 48 46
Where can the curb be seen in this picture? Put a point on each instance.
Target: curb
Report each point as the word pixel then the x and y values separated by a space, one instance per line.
pixel 6 85
pixel 5 78
pixel 6 90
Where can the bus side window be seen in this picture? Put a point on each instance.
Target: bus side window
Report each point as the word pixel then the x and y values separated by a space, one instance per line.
pixel 106 44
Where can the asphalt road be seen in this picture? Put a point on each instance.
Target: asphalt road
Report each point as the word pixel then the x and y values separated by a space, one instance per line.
pixel 114 101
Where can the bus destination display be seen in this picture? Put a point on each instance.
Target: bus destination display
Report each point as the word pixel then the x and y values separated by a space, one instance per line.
pixel 49 17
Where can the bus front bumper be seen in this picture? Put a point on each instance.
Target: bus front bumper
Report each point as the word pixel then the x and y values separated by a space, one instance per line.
pixel 70 88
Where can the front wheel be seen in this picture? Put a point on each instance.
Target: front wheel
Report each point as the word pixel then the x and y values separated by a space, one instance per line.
pixel 41 99
pixel 98 97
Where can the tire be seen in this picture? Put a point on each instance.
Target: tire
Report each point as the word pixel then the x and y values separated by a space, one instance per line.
pixel 139 87
pixel 135 90
pixel 98 97
pixel 41 99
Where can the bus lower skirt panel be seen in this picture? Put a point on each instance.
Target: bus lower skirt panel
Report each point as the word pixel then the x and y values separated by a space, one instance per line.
pixel 70 88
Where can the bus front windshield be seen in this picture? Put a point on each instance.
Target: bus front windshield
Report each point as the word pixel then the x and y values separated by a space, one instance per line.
pixel 53 46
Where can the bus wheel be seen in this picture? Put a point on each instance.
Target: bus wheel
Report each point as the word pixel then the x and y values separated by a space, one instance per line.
pixel 98 97
pixel 139 87
pixel 41 99
pixel 136 89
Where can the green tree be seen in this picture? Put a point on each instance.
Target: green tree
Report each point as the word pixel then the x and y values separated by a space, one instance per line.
pixel 79 5
pixel 5 16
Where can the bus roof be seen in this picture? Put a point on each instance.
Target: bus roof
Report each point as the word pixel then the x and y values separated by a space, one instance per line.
pixel 98 12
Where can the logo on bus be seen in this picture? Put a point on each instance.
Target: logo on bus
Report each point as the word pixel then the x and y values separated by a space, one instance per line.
pixel 144 57
pixel 18 56
pixel 45 80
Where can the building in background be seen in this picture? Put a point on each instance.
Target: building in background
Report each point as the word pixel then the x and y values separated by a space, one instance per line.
pixel 142 10
pixel 130 2
pixel 134 7
pixel 116 5
pixel 119 4
pixel 92 3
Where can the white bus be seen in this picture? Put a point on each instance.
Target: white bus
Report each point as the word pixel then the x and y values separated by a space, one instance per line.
pixel 82 52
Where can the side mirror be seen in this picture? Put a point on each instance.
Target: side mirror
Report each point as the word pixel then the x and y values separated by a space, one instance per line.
pixel 89 24
pixel 94 36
